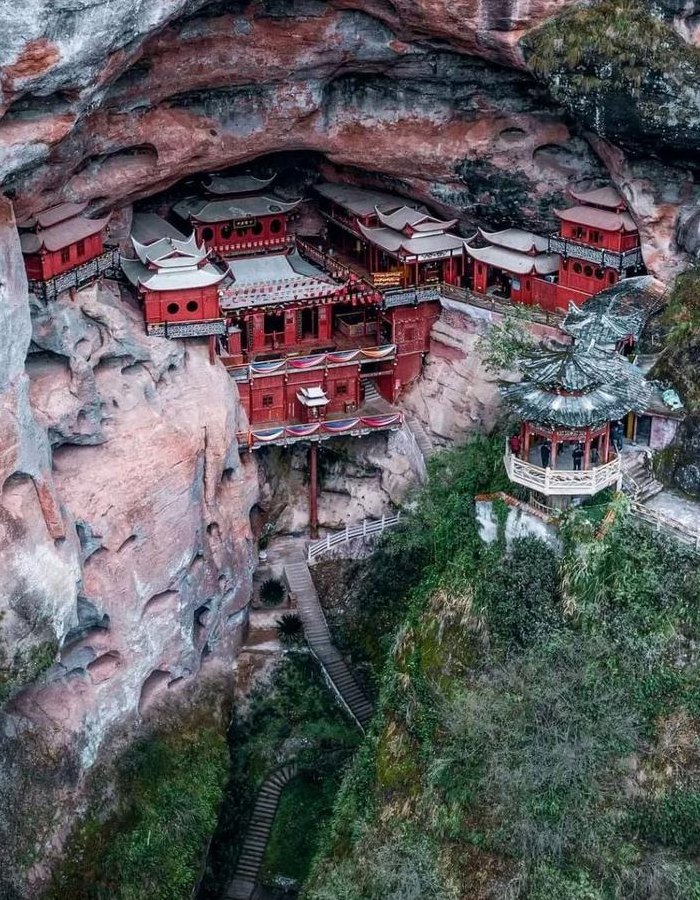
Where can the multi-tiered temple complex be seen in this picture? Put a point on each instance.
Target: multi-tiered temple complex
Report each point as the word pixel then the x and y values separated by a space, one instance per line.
pixel 323 328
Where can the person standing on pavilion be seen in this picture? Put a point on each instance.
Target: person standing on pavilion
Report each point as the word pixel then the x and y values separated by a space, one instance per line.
pixel 578 457
pixel 617 433
pixel 515 444
pixel 545 454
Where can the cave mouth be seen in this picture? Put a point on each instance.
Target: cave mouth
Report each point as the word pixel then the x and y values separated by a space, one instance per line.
pixel 295 171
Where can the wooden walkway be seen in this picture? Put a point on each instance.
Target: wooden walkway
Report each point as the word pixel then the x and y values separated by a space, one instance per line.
pixel 248 868
pixel 339 676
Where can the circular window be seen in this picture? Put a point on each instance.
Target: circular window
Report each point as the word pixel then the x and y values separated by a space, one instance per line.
pixel 241 232
pixel 257 228
pixel 192 306
pixel 578 268
pixel 600 274
pixel 275 226
pixel 173 308
pixel 227 231
pixel 588 271
pixel 207 234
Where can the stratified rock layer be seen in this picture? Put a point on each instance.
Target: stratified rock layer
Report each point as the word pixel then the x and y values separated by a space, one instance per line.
pixel 125 551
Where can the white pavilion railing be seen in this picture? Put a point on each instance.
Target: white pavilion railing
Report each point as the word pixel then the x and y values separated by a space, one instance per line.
pixel 562 482
pixel 351 532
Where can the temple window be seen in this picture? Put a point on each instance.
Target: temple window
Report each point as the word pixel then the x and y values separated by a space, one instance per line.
pixel 65 255
pixel 274 323
pixel 173 308
pixel 227 230
pixel 595 235
pixel 341 388
pixel 268 400
pixel 578 268
pixel 611 278
pixel 241 232
pixel 276 226
pixel 192 306
pixel 80 248
pixel 207 234
pixel 600 274
pixel 257 228
pixel 588 271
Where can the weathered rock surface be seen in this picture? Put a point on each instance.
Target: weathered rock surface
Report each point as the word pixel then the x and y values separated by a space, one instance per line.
pixel 115 101
pixel 126 552
pixel 358 479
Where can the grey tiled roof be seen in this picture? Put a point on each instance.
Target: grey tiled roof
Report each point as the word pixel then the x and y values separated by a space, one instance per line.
pixel 577 387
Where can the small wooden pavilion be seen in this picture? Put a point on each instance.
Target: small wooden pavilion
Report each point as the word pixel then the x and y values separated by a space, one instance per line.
pixel 567 400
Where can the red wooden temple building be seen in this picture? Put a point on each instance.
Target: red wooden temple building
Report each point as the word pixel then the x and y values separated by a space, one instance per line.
pixel 63 249
pixel 175 280
pixel 597 245
pixel 292 328
pixel 240 217
pixel 515 264
pixel 397 244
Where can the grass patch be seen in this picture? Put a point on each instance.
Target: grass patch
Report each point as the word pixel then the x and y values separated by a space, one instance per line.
pixel 169 788
pixel 293 718
pixel 306 805
pixel 537 723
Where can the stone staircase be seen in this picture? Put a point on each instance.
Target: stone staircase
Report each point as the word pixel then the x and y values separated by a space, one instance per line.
pixel 245 879
pixel 420 434
pixel 638 479
pixel 316 629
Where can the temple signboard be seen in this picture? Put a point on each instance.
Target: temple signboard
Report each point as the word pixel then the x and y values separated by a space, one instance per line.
pixel 387 279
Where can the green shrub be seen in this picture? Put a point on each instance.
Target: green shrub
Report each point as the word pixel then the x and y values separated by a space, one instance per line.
pixel 290 629
pixel 272 592
pixel 169 790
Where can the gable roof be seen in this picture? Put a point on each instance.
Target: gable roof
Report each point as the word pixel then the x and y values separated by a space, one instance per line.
pixel 597 218
pixel 361 201
pixel 515 262
pixel 53 215
pixel 516 239
pixel 237 184
pixel 62 234
pixel 211 211
pixel 396 241
pixel 170 252
pixel 606 197
pixel 414 219
pixel 275 279
pixel 148 227
pixel 170 264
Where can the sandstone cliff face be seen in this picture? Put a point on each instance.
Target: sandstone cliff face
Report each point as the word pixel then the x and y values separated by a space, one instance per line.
pixel 125 542
pixel 110 101
pixel 124 535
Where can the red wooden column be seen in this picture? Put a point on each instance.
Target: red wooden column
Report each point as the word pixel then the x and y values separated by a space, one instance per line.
pixel 313 489
pixel 606 444
pixel 525 452
pixel 587 450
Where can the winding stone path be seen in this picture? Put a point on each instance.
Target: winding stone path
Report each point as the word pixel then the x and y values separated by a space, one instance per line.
pixel 248 868
pixel 317 634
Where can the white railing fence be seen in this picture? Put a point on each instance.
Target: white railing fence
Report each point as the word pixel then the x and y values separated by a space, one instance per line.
pixel 367 528
pixel 562 482
pixel 680 530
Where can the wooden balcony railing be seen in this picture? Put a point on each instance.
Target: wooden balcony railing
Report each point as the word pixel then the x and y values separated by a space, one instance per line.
pixel 606 259
pixel 562 482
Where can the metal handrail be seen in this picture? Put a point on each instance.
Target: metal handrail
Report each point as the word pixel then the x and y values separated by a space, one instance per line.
pixel 364 530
